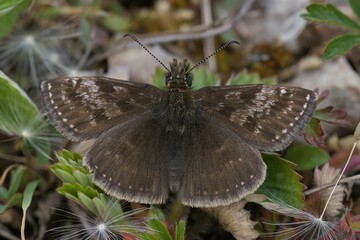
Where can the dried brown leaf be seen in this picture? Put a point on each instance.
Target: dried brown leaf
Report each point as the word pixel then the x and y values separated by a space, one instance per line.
pixel 235 219
pixel 325 176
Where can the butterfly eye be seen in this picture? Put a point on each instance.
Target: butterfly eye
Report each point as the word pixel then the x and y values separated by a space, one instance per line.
pixel 188 81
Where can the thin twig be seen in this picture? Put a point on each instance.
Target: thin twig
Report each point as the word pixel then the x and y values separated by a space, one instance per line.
pixel 199 32
pixel 345 180
pixel 356 136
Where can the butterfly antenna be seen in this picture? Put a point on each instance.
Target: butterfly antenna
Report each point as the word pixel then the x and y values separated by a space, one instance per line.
pixel 218 50
pixel 136 40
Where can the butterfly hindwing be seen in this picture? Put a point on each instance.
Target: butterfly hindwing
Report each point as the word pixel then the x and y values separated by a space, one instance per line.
pixel 266 117
pixel 220 167
pixel 83 107
pixel 134 157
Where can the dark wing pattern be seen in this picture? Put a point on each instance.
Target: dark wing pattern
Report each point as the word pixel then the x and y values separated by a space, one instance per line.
pixel 83 107
pixel 267 117
pixel 134 168
pixel 220 167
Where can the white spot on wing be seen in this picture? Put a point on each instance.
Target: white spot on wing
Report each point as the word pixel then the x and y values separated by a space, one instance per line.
pixel 282 91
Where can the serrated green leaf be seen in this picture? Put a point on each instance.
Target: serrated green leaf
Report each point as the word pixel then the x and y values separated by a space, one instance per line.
pixel 15 180
pixel 340 45
pixel 355 6
pixel 329 14
pixel 159 229
pixel 279 171
pixel 180 230
pixel 307 156
pixel 203 78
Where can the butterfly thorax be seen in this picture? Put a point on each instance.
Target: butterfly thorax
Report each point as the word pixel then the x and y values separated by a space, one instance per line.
pixel 177 108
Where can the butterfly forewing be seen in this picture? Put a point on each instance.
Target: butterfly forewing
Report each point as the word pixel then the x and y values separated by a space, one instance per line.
pixel 135 161
pixel 84 107
pixel 267 117
pixel 220 167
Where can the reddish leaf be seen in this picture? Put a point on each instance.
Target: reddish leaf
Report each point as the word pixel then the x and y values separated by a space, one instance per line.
pixel 333 116
pixel 350 225
pixel 323 95
pixel 314 134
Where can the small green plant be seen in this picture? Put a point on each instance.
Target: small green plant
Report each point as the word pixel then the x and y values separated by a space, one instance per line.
pixel 329 14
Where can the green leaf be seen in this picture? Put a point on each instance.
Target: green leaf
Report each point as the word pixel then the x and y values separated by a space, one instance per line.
pixel 100 205
pixel 13 201
pixel 329 14
pixel 20 116
pixel 340 45
pixel 116 23
pixel 81 178
pixel 15 180
pixel 28 193
pixel 87 202
pixel 250 78
pixel 355 5
pixel 9 11
pixel 180 230
pixel 3 193
pixel 203 78
pixel 158 78
pixel 64 176
pixel 85 31
pixel 307 156
pixel 279 171
pixel 159 229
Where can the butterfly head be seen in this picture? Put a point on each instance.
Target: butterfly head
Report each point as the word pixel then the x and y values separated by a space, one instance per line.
pixel 178 77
